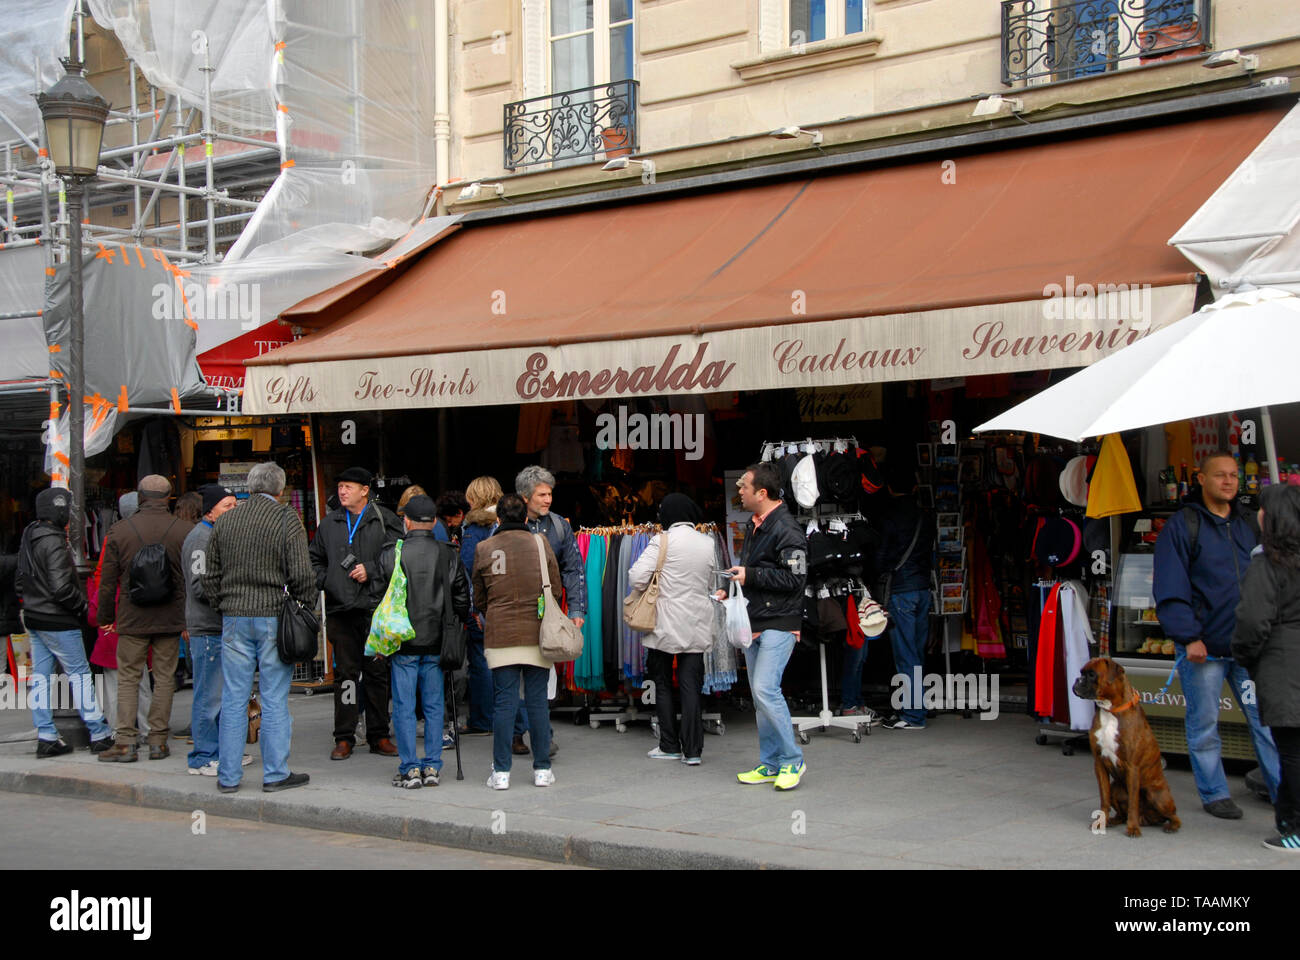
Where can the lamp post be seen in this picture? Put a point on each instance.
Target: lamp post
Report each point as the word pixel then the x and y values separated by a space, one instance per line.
pixel 74 114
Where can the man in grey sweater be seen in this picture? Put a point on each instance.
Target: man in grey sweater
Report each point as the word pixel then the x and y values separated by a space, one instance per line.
pixel 254 552
pixel 204 634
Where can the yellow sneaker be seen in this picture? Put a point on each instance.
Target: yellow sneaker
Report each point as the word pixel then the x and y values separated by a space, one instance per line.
pixel 790 776
pixel 760 774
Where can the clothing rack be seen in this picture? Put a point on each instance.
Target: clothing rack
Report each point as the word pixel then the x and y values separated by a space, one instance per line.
pixel 770 447
pixel 1049 730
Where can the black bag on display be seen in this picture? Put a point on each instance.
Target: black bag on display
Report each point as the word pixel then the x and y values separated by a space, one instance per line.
pixel 151 572
pixel 297 634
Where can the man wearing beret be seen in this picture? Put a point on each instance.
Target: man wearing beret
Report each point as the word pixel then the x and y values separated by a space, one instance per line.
pixel 204 626
pixel 345 557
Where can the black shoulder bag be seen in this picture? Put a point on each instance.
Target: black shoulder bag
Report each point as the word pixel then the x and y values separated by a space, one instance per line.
pixel 297 635
pixel 886 585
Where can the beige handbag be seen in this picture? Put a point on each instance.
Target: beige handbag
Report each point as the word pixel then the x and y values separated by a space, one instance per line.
pixel 561 638
pixel 639 605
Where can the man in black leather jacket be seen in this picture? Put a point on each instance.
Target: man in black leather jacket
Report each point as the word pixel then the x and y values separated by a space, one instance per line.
pixel 54 609
pixel 772 571
pixel 358 531
pixel 437 601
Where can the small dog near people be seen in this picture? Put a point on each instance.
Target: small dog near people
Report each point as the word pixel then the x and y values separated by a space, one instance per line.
pixel 1125 755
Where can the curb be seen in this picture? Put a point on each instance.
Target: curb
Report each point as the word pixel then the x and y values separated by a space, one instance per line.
pixel 572 849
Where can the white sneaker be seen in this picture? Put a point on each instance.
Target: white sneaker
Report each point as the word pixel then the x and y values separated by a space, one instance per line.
pixel 209 769
pixel 543 778
pixel 657 754
pixel 247 759
pixel 499 781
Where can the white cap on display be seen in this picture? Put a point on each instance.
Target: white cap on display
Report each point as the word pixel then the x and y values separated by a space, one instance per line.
pixel 804 480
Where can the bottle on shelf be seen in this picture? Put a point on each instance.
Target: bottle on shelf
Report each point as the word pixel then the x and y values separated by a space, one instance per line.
pixel 1184 485
pixel 1293 478
pixel 1170 484
pixel 1241 472
pixel 1283 474
pixel 1252 476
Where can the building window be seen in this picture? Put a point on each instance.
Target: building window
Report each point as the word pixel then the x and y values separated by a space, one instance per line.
pixel 591 42
pixel 813 20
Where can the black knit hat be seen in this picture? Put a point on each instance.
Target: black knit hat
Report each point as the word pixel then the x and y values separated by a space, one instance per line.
pixel 213 494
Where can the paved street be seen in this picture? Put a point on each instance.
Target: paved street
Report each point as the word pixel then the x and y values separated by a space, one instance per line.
pixel 67 834
pixel 960 794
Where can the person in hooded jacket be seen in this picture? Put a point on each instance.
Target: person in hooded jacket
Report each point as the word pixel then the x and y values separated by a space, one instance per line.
pixel 437 602
pixel 683 624
pixel 1196 589
pixel 357 532
pixel 54 609
pixel 1266 643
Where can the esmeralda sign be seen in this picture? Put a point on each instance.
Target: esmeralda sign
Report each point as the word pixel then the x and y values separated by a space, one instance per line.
pixel 968 341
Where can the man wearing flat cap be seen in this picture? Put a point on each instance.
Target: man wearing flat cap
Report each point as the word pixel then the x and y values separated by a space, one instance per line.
pixel 345 557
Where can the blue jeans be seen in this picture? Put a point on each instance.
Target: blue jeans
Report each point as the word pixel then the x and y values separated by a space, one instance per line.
pixel 405 673
pixel 482 695
pixel 909 628
pixel 506 681
pixel 248 643
pixel 851 682
pixel 206 708
pixel 1202 684
pixel 765 659
pixel 67 648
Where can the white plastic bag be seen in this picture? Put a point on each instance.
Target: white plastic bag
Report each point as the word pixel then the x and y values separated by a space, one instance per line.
pixel 738 629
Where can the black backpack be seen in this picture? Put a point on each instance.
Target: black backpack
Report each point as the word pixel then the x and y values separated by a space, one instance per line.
pixel 151 572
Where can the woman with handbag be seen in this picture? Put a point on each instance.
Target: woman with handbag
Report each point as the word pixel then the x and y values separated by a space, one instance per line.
pixel 1267 644
pixel 678 565
pixel 508 587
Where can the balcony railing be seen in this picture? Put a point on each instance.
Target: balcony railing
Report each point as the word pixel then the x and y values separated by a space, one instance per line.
pixel 1045 40
pixel 587 124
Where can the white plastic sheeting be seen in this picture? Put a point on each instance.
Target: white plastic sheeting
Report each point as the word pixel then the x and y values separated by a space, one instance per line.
pixel 348 87
pixel 1249 229
pixel 22 289
pixel 35 37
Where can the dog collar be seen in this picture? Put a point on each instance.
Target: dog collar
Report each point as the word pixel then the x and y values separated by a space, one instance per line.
pixel 1130 704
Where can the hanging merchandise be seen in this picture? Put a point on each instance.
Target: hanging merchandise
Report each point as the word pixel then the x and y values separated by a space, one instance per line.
pixel 1074 480
pixel 1113 490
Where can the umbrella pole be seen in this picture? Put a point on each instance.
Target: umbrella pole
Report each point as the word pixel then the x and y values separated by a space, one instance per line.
pixel 1270 447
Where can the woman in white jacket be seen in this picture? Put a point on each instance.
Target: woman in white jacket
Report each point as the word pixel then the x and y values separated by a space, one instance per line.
pixel 683 625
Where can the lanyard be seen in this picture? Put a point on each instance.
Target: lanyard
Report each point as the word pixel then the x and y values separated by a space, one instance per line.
pixel 352 527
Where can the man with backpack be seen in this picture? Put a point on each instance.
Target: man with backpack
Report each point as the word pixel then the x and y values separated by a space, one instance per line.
pixel 1201 556
pixel 143 552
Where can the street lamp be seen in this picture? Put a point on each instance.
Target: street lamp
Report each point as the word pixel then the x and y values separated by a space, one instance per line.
pixel 74 114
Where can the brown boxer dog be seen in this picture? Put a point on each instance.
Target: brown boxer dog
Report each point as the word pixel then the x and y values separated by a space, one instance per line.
pixel 1124 751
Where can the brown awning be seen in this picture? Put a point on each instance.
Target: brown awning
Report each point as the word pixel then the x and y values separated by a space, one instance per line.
pixel 999 227
pixel 881 241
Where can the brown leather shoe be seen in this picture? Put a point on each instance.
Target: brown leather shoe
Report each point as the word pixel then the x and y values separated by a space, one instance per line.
pixel 518 747
pixel 384 747
pixel 120 753
pixel 342 750
pixel 159 751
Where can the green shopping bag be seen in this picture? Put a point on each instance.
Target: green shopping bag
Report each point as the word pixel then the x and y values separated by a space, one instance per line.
pixel 390 627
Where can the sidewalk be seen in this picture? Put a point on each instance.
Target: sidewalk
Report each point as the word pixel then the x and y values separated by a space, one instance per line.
pixel 960 794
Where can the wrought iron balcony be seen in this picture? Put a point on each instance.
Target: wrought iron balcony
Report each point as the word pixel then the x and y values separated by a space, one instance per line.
pixel 1044 40
pixel 587 124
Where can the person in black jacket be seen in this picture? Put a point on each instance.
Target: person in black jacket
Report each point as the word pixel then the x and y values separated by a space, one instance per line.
pixel 345 557
pixel 1267 644
pixel 773 570
pixel 904 560
pixel 437 601
pixel 54 610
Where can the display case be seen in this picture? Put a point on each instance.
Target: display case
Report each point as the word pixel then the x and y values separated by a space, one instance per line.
pixel 1139 645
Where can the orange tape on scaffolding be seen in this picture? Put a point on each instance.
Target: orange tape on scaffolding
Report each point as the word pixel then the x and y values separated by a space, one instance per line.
pixel 176 400
pixel 55 348
pixel 62 457
pixel 105 254
pixel 54 410
pixel 122 406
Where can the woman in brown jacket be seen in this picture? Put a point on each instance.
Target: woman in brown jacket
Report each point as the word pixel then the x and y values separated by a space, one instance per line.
pixel 508 589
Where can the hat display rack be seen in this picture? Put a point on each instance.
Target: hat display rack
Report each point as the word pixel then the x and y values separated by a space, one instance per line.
pixel 811 508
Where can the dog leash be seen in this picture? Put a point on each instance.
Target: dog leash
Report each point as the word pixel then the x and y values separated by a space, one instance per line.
pixel 1173 672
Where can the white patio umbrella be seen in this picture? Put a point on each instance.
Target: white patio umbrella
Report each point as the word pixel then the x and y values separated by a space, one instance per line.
pixel 1241 351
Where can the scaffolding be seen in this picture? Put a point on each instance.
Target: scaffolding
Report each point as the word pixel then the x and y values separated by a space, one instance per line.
pixel 281 144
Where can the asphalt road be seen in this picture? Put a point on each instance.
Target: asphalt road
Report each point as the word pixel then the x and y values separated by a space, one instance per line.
pixel 66 834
